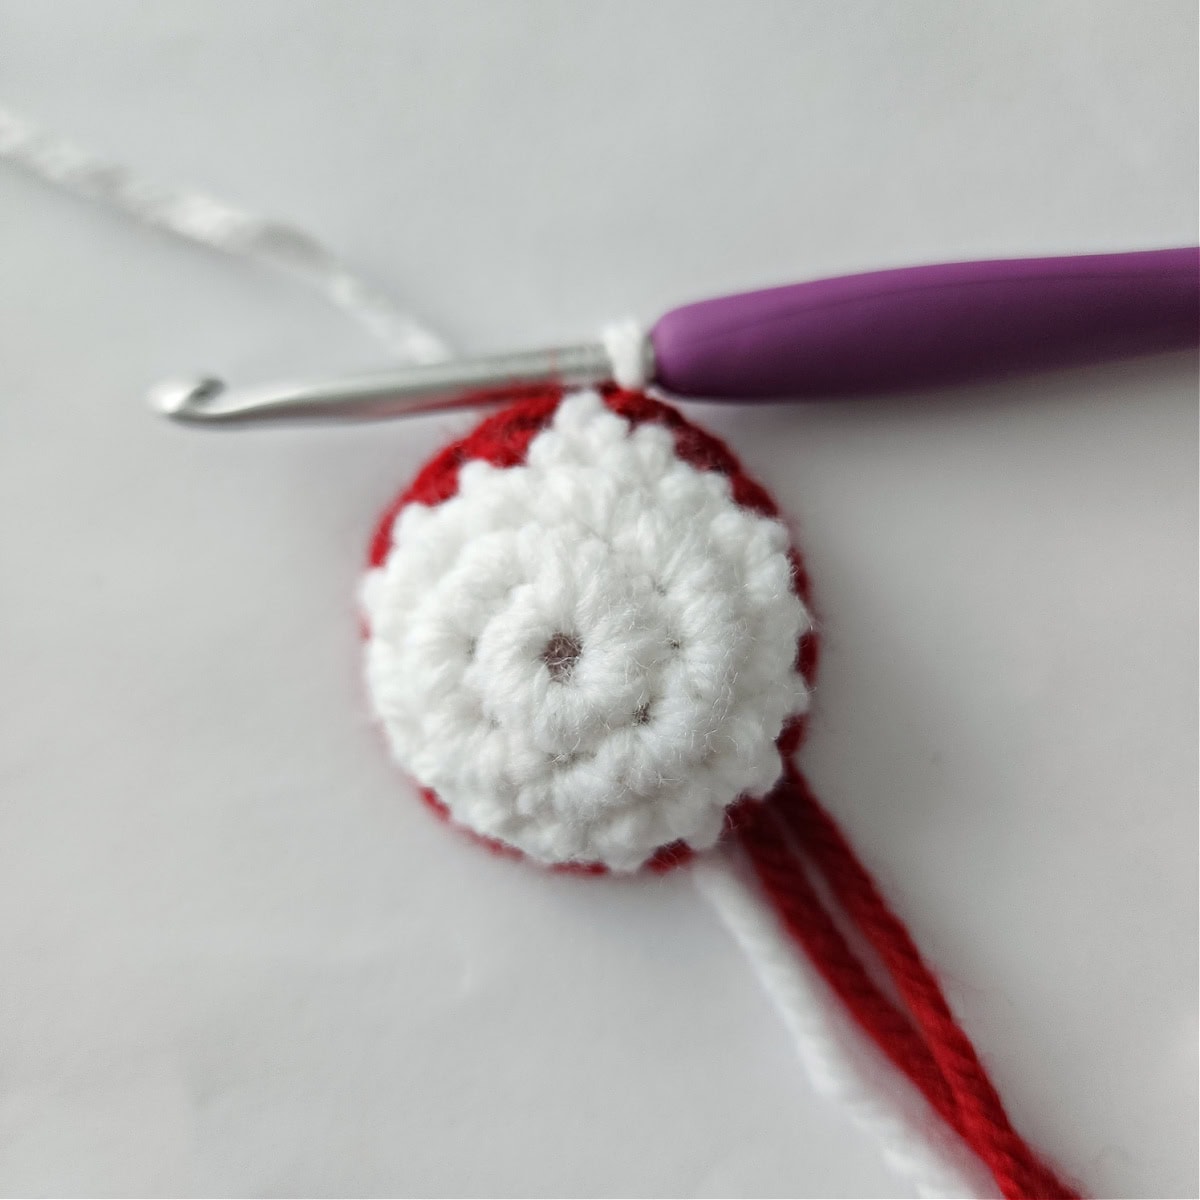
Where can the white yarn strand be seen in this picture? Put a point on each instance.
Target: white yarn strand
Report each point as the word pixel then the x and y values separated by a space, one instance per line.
pixel 205 221
pixel 841 1064
pixel 627 347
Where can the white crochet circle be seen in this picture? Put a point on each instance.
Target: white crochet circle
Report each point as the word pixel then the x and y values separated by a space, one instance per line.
pixel 590 655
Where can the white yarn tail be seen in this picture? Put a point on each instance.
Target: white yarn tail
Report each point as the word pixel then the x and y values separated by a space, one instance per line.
pixel 840 1061
pixel 205 221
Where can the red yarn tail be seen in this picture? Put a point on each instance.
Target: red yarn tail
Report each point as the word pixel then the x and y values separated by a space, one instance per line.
pixel 926 1043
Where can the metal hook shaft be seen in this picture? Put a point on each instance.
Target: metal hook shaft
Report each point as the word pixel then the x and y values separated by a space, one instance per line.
pixel 376 397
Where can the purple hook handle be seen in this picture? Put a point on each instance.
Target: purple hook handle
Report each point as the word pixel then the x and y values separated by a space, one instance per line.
pixel 928 327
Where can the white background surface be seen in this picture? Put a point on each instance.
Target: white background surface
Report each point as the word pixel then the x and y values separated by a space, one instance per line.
pixel 238 956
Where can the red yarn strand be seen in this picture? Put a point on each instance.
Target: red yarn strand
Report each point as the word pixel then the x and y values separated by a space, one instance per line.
pixel 932 1050
pixel 809 924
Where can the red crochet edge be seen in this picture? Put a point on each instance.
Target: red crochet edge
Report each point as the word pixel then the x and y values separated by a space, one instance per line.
pixel 503 439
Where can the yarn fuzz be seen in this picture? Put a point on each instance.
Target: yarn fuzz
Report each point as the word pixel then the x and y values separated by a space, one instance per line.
pixel 587 655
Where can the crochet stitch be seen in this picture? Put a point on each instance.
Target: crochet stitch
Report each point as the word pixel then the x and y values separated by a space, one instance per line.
pixel 588 654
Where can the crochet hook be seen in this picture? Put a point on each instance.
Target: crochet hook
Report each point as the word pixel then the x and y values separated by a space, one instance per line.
pixel 900 330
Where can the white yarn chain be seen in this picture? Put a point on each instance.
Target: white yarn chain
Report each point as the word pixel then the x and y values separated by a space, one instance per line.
pixel 203 220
